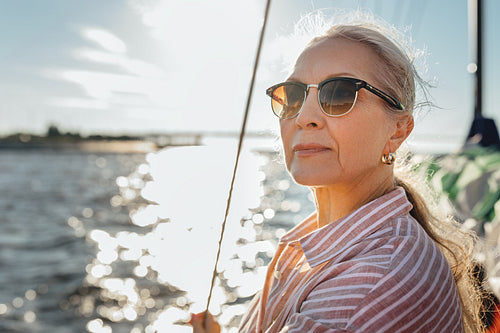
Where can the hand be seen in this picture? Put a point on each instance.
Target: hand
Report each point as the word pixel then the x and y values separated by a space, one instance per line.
pixel 211 326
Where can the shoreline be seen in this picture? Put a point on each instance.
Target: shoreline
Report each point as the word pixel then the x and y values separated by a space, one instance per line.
pixel 96 146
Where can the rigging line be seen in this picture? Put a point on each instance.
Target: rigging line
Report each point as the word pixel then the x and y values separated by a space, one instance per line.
pixel 240 143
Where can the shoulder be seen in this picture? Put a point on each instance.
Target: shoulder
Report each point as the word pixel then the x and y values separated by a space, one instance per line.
pixel 409 262
pixel 398 281
pixel 413 253
pixel 417 292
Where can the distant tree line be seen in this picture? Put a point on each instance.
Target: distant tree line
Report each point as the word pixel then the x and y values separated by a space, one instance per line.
pixel 54 134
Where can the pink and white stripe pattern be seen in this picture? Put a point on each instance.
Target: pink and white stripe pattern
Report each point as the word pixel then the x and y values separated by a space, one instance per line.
pixel 374 270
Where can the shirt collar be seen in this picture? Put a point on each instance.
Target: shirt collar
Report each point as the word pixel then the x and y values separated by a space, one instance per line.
pixel 326 243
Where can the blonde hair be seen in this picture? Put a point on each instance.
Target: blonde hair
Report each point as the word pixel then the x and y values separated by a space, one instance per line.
pixel 398 77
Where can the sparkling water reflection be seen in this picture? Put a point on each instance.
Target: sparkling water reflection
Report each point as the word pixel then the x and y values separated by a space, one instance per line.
pixel 149 239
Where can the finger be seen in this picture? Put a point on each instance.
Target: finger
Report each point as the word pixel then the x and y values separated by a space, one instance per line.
pixel 197 322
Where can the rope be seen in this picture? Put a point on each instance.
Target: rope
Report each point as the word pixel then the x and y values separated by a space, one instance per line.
pixel 240 144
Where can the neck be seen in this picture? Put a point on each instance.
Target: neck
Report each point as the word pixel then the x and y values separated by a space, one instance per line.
pixel 336 201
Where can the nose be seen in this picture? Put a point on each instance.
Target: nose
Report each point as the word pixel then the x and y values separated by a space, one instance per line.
pixel 311 115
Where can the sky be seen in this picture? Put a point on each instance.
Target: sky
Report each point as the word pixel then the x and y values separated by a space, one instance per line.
pixel 143 66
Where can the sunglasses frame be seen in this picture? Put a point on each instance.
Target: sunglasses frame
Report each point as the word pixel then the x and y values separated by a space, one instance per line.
pixel 358 84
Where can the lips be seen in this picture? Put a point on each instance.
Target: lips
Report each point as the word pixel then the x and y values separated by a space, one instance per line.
pixel 309 149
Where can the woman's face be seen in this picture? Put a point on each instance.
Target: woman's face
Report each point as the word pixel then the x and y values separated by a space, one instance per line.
pixel 321 150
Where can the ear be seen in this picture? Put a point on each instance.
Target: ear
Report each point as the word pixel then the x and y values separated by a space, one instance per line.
pixel 403 126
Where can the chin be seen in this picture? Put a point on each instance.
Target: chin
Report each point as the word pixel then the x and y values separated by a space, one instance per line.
pixel 308 179
pixel 313 172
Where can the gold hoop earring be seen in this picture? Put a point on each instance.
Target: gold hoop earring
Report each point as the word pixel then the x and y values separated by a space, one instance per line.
pixel 389 159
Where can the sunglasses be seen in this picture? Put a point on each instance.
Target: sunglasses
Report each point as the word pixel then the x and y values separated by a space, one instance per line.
pixel 336 96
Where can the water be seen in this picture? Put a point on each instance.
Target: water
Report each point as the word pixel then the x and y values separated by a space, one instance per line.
pixel 102 242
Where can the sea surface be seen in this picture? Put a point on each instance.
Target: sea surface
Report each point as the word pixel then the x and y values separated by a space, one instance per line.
pixel 117 242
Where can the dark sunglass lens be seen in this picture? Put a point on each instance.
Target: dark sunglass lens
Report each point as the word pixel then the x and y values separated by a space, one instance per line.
pixel 286 100
pixel 337 97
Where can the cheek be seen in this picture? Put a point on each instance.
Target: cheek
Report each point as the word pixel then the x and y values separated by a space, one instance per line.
pixel 286 131
pixel 361 143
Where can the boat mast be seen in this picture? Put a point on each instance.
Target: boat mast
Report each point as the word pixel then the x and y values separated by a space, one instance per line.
pixel 483 130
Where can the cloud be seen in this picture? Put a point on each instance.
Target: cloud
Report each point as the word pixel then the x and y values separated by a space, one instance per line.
pixel 200 81
pixel 108 87
pixel 105 39
pixel 122 61
pixel 121 82
pixel 79 103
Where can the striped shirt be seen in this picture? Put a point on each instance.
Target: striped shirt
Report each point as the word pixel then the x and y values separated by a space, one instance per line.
pixel 374 270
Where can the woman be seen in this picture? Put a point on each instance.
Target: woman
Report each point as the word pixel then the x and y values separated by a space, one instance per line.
pixel 372 258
